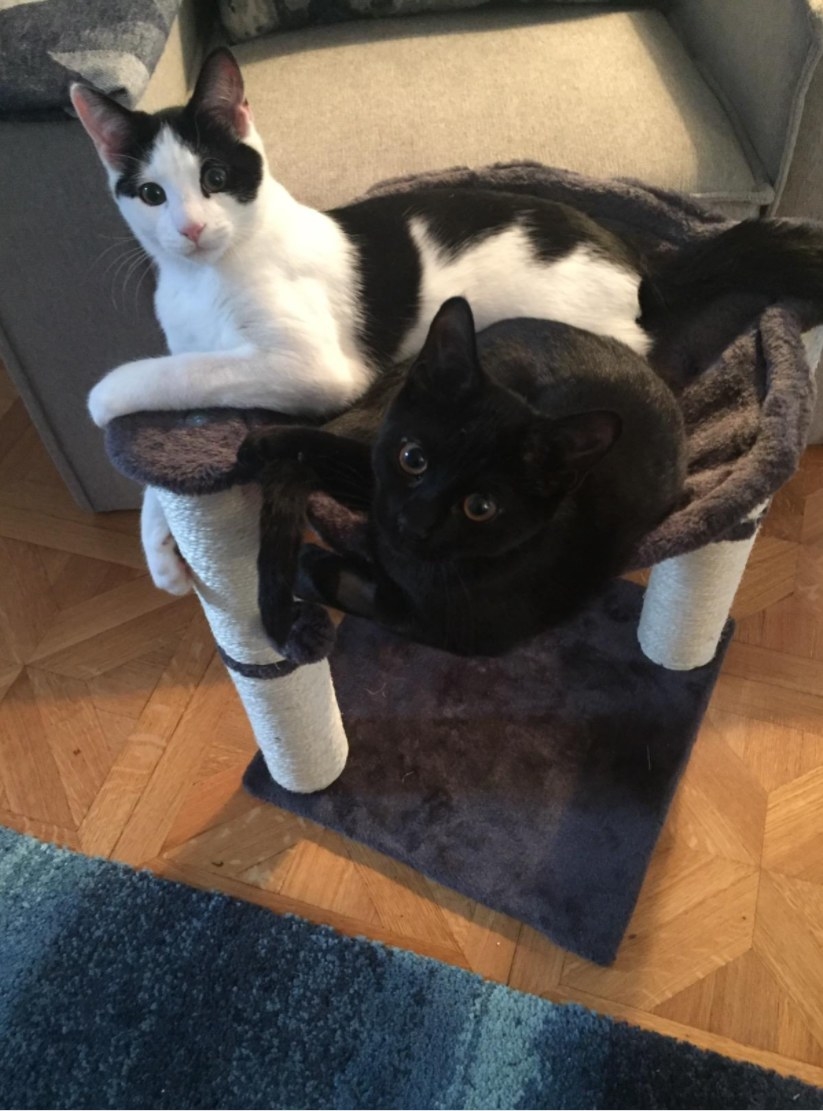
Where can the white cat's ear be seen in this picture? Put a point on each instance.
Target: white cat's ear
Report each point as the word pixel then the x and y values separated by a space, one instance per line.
pixel 220 93
pixel 449 360
pixel 108 123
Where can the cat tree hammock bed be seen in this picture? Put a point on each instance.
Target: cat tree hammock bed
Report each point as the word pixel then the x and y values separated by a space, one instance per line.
pixel 747 417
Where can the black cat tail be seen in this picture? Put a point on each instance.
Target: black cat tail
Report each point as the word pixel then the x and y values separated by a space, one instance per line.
pixel 771 258
pixel 285 488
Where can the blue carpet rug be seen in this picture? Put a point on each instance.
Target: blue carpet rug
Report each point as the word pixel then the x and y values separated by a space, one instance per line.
pixel 119 990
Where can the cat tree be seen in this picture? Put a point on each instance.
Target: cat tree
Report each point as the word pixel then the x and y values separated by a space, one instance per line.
pixel 746 417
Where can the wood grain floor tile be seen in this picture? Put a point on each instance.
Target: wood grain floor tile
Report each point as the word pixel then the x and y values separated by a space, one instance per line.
pixel 157 632
pixel 27 604
pixel 537 965
pixel 770 576
pixel 80 539
pixel 31 779
pixel 788 938
pixel 112 812
pixel 744 1001
pixel 320 871
pixel 487 938
pixel 793 838
pixel 405 901
pixel 773 753
pixel 762 701
pixel 208 803
pixel 144 832
pixel 695 913
pixel 720 807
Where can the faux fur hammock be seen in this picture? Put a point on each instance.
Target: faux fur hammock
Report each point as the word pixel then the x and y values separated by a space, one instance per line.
pixel 747 416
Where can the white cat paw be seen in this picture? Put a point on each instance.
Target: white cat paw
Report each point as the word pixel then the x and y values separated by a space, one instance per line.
pixel 168 569
pixel 106 401
pixel 128 389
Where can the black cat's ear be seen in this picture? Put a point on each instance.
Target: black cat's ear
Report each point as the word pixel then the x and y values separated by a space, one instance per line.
pixel 108 124
pixel 220 92
pixel 567 448
pixel 448 362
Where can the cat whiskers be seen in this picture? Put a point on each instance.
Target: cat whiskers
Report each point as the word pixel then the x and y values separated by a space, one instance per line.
pixel 130 256
pixel 118 244
pixel 132 264
pixel 146 271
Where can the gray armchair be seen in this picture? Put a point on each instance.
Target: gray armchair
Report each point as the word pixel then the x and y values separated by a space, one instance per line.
pixel 722 99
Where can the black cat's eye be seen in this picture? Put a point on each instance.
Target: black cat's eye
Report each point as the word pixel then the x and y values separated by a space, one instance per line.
pixel 151 193
pixel 479 508
pixel 412 458
pixel 214 179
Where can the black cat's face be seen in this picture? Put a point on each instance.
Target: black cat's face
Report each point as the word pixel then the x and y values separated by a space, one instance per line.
pixel 464 468
pixel 186 179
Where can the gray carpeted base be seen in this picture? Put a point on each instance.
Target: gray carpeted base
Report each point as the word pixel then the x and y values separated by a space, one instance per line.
pixel 536 783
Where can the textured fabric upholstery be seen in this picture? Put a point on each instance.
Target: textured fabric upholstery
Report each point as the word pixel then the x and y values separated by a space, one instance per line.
pixel 606 93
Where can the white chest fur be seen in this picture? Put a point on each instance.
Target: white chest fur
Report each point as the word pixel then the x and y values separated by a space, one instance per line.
pixel 284 290
pixel 196 310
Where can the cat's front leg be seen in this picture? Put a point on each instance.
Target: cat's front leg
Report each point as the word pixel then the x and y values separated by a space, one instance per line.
pixel 133 388
pixel 341 466
pixel 336 581
pixel 284 381
pixel 352 585
pixel 166 566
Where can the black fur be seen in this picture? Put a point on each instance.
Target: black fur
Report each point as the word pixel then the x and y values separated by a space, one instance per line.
pixel 695 300
pixel 389 273
pixel 578 441
pixel 206 137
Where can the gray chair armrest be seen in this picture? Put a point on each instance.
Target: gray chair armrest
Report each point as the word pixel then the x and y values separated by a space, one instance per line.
pixel 763 59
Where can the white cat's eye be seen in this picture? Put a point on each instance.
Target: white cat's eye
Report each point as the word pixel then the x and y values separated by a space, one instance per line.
pixel 151 193
pixel 412 458
pixel 479 508
pixel 214 179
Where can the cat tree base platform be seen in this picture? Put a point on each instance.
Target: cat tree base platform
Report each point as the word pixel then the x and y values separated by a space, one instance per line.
pixel 536 783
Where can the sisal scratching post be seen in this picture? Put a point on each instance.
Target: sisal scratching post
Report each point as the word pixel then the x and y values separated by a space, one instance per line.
pixel 687 603
pixel 293 710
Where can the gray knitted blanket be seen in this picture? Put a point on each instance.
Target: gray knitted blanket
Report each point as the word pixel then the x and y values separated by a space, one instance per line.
pixel 747 414
pixel 113 44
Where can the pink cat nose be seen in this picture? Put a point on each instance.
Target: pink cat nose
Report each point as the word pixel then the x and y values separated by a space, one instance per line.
pixel 192 232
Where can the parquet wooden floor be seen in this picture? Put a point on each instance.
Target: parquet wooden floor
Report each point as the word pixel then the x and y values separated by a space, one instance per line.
pixel 120 735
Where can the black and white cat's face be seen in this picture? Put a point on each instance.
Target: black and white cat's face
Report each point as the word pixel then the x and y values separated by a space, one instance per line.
pixel 464 467
pixel 187 180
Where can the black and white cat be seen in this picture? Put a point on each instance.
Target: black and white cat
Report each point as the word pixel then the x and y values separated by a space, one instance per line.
pixel 507 477
pixel 265 302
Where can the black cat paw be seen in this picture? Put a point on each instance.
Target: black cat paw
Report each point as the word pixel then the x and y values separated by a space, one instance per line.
pixel 318 572
pixel 264 446
pixel 312 634
pixel 250 455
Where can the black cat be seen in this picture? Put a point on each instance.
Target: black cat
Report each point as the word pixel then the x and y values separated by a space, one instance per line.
pixel 508 477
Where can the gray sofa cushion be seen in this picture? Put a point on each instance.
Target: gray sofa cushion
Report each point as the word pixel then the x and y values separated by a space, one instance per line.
pixel 113 44
pixel 607 93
